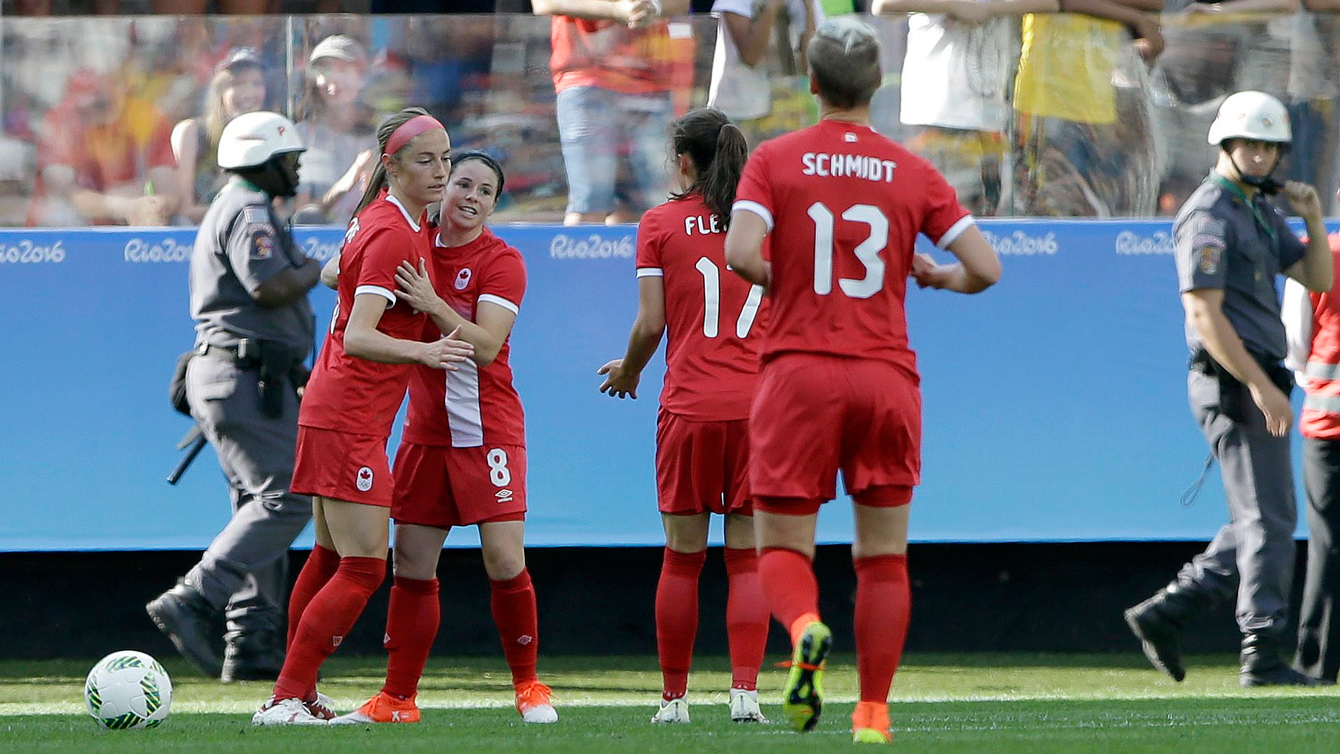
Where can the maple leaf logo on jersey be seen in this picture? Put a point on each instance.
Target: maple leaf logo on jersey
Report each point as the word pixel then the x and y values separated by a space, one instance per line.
pixel 364 481
pixel 463 278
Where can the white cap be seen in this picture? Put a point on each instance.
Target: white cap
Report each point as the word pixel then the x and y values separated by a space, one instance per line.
pixel 252 138
pixel 340 47
pixel 1251 115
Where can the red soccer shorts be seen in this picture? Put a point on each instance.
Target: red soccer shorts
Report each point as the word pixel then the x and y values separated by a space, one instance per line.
pixel 442 486
pixel 702 466
pixel 814 415
pixel 342 466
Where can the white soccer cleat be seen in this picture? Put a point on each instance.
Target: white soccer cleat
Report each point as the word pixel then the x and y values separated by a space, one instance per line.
pixel 285 712
pixel 673 711
pixel 744 707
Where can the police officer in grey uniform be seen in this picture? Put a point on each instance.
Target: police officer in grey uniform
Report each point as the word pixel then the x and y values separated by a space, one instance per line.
pixel 254 329
pixel 1230 246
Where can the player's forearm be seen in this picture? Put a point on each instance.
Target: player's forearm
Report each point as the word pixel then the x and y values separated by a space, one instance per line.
pixel 757 33
pixel 486 344
pixel 1224 345
pixel 94 206
pixel 375 345
pixel 330 273
pixel 1318 262
pixel 642 344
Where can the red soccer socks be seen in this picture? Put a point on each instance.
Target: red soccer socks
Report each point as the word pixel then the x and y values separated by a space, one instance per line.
pixel 746 618
pixel 883 607
pixel 411 626
pixel 677 617
pixel 513 603
pixel 325 623
pixel 318 569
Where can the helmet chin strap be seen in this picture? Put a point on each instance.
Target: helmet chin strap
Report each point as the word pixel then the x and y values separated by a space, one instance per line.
pixel 276 176
pixel 1265 184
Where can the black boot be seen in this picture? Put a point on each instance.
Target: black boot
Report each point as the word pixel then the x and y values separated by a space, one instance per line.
pixel 256 655
pixel 1157 623
pixel 183 614
pixel 1263 664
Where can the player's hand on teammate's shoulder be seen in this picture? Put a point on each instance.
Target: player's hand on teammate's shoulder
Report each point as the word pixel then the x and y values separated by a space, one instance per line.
pixel 619 382
pixel 446 352
pixel 416 287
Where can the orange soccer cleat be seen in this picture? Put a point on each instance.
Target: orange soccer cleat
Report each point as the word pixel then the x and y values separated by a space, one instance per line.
pixel 870 723
pixel 382 708
pixel 533 702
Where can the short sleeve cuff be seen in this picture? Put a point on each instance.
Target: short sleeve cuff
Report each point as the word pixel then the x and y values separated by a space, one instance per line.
pixel 650 272
pixel 747 206
pixel 956 230
pixel 376 290
pixel 500 301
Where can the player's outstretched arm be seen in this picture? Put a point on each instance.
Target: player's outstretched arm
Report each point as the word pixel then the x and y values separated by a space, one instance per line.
pixel 623 375
pixel 978 267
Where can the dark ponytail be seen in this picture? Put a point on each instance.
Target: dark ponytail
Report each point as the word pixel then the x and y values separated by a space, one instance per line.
pixel 718 151
pixel 378 180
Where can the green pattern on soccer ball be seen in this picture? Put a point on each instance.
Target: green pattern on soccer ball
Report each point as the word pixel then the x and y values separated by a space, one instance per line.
pixel 158 668
pixel 129 661
pixel 94 698
pixel 122 722
pixel 152 699
pixel 154 723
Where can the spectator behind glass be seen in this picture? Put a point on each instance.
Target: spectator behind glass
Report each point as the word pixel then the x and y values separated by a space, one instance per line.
pixel 955 79
pixel 333 125
pixel 740 86
pixel 93 169
pixel 611 65
pixel 238 86
pixel 1075 156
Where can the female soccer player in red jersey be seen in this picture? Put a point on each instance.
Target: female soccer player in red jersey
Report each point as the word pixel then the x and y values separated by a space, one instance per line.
pixel 839 389
pixel 351 401
pixel 462 460
pixel 702 444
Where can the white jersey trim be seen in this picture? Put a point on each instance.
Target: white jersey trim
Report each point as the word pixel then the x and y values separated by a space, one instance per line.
pixel 650 272
pixel 464 416
pixel 376 290
pixel 956 230
pixel 412 222
pixel 744 205
pixel 500 301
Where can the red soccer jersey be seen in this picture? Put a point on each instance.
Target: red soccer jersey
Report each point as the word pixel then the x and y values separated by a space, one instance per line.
pixel 474 405
pixel 347 393
pixel 715 318
pixel 844 205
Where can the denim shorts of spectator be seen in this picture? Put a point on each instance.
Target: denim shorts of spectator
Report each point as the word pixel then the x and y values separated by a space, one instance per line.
pixel 599 129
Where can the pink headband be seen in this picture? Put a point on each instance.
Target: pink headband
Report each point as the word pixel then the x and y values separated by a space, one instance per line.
pixel 408 130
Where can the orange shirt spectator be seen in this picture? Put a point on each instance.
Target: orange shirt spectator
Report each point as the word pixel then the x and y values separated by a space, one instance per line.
pixel 97 167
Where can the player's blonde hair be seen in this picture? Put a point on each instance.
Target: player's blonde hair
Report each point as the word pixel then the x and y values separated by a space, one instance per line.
pixel 843 59
pixel 378 180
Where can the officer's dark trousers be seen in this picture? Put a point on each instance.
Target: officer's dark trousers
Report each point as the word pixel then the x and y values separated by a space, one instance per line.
pixel 1255 550
pixel 1318 625
pixel 246 566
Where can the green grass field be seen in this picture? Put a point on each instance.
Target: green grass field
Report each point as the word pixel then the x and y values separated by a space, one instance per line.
pixel 942 703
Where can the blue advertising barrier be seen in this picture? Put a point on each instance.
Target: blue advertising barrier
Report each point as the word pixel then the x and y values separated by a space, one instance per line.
pixel 1055 404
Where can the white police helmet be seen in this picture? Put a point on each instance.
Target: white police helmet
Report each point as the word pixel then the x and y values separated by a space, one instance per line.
pixel 252 138
pixel 1251 115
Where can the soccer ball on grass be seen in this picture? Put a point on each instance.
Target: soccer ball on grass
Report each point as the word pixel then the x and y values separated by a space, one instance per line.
pixel 127 690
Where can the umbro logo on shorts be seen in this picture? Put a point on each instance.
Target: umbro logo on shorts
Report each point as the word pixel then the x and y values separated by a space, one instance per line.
pixel 504 496
pixel 364 481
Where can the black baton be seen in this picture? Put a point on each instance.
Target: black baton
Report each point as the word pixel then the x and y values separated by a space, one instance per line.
pixel 196 445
